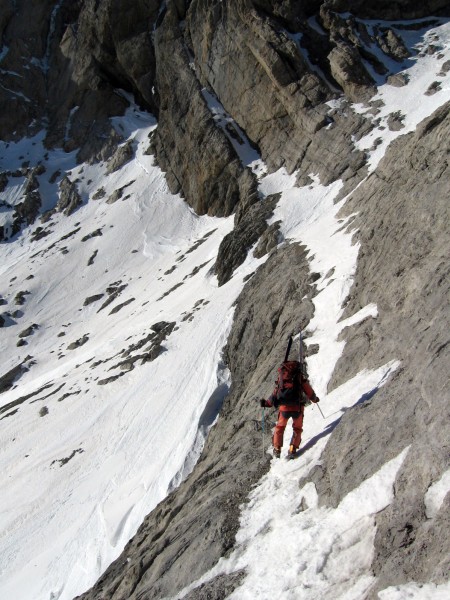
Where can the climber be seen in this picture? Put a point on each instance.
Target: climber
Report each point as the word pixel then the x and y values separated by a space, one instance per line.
pixel 291 394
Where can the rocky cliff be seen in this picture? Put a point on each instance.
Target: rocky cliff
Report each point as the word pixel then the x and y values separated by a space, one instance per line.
pixel 285 74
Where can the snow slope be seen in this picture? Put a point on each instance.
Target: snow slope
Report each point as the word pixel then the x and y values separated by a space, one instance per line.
pixel 63 521
pixel 79 479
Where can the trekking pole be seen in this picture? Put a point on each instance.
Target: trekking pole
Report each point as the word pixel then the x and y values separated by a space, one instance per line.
pixel 300 348
pixel 320 409
pixel 262 427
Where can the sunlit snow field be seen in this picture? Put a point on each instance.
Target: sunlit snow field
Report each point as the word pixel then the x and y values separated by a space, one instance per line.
pixel 130 441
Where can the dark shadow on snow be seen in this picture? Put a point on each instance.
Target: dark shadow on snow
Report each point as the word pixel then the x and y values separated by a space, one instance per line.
pixel 329 428
pixel 205 422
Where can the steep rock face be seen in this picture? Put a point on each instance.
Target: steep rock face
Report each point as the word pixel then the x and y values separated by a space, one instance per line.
pixel 403 267
pixel 274 92
pixel 285 60
pixel 276 97
pixel 198 159
pixel 62 63
pixel 22 98
pixel 197 523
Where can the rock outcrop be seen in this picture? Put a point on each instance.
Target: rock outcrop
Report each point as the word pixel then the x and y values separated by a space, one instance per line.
pixel 285 60
pixel 403 267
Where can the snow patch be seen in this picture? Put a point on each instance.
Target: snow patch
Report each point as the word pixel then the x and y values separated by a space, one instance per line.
pixel 416 591
pixel 436 494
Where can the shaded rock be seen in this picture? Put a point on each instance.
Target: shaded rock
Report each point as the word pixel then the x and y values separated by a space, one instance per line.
pixel 100 193
pixel 120 306
pixel 121 156
pixel 39 233
pixel 398 79
pixel 198 158
pixel 69 198
pixel 3 181
pixel 20 297
pixel 8 379
pixel 236 244
pixel 78 343
pixel 91 299
pixel 392 44
pixel 96 233
pixel 349 72
pixel 64 461
pixel 400 10
pixel 28 331
pixel 395 121
pixel 268 241
pixel 92 258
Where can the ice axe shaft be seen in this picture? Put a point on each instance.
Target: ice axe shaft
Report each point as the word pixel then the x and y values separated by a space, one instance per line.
pixel 320 410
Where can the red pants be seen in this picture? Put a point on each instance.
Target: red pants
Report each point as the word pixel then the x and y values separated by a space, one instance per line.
pixel 297 424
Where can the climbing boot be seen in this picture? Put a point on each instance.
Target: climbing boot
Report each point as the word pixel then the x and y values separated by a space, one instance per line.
pixel 292 453
pixel 276 452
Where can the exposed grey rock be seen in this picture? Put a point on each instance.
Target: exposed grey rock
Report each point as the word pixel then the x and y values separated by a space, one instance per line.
pixel 96 233
pixel 20 297
pixel 28 331
pixel 113 291
pixel 100 193
pixel 433 88
pixel 218 588
pixel 69 198
pixel 198 158
pixel 403 267
pixel 121 156
pixel 275 98
pixel 8 379
pixel 80 342
pixel 445 68
pixel 349 72
pixel 235 245
pixel 395 121
pixel 398 80
pixel 122 305
pixel 268 241
pixel 392 45
pixel 91 299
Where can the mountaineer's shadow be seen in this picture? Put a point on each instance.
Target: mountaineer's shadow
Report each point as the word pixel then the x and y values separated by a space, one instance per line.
pixel 331 426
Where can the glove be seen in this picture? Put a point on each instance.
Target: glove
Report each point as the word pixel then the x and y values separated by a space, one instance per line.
pixel 316 400
pixel 262 402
